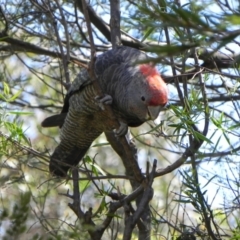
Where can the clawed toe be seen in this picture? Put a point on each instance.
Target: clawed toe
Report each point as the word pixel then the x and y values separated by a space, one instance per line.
pixel 122 130
pixel 103 100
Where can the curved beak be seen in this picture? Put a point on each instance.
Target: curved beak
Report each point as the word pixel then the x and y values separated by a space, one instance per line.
pixel 153 111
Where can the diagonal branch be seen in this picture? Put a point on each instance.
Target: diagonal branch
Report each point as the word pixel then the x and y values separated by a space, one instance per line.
pixel 97 233
pixel 112 119
pixel 21 46
pixel 105 29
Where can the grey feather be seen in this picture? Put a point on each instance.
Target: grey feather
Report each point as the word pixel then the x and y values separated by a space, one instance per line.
pixel 82 120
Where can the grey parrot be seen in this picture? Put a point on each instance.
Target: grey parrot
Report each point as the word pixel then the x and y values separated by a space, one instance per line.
pixel 135 92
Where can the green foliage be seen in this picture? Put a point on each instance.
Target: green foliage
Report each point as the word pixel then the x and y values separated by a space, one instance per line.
pixel 236 232
pixel 32 77
pixel 186 123
pixel 17 217
pixel 7 96
pixel 233 19
pixel 9 119
pixel 191 191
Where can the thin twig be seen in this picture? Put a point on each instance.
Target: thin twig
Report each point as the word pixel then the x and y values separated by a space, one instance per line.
pixel 147 195
pixel 122 201
pixel 5 30
pixel 135 218
pixel 188 152
pixel 66 59
pixel 23 147
pixel 201 198
pixel 131 160
pixel 115 23
pixel 75 206
pixel 63 55
pixel 86 217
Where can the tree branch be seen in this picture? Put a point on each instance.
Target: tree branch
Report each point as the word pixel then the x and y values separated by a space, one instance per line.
pixel 65 57
pixel 189 152
pixel 112 119
pixel 105 29
pixel 115 23
pixel 21 46
pixel 85 218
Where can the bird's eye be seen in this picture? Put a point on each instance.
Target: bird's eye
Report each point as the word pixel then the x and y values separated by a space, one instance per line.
pixel 143 98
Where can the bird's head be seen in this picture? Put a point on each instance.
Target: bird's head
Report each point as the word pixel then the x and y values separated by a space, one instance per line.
pixel 149 93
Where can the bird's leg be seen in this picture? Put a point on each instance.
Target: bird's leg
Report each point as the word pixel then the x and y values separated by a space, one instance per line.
pixel 103 100
pixel 122 130
pixel 107 100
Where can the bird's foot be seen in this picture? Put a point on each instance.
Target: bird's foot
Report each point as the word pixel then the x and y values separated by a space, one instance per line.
pixel 103 100
pixel 122 130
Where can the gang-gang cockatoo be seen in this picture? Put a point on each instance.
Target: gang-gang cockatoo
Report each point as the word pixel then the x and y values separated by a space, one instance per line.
pixel 135 92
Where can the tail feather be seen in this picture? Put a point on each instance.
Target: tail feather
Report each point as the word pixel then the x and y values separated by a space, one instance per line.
pixel 60 162
pixel 54 121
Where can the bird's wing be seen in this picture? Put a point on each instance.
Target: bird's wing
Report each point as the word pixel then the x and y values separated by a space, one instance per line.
pixel 116 56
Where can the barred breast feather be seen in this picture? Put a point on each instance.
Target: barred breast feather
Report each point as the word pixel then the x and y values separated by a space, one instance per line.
pixel 138 94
